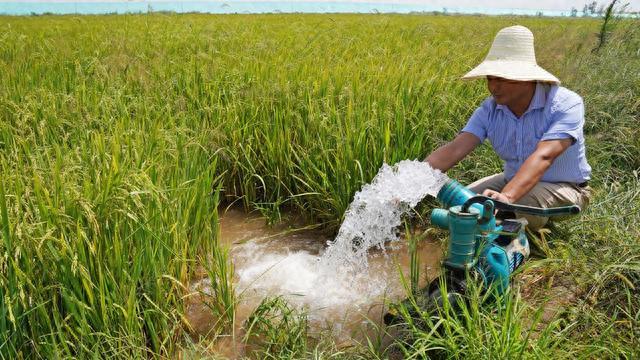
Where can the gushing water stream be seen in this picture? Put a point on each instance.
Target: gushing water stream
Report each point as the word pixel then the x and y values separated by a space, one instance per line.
pixel 376 212
pixel 339 284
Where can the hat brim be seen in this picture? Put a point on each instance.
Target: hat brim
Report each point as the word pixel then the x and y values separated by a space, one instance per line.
pixel 512 70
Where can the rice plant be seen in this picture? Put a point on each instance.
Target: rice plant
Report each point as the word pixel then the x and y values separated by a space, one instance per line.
pixel 121 135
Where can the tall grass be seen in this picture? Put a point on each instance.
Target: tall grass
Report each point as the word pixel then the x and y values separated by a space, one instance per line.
pixel 120 136
pixel 109 198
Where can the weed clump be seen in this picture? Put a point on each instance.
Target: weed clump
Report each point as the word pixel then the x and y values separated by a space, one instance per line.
pixel 275 330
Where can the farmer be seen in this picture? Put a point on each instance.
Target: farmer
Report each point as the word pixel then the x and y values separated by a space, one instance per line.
pixel 532 123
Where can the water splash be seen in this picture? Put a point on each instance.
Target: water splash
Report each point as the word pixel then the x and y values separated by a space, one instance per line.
pixel 343 281
pixel 376 212
pixel 296 275
pixel 342 276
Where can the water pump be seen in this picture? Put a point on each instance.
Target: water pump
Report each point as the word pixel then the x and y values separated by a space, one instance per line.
pixel 485 240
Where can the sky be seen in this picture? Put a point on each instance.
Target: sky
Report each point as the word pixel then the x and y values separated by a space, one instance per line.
pixel 634 5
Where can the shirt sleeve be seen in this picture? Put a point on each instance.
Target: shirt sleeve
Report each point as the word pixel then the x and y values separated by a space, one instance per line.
pixel 478 122
pixel 566 122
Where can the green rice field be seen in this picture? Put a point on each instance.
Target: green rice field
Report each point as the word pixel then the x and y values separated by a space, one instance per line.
pixel 122 135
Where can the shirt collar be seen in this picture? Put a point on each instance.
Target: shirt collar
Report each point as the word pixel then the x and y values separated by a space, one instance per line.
pixel 537 102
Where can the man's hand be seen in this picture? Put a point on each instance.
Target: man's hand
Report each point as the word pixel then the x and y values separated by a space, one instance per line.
pixel 497 196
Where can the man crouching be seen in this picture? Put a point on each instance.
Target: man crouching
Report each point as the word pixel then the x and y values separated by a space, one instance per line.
pixel 532 123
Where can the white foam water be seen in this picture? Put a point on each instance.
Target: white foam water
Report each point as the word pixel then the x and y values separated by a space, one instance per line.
pixel 341 280
pixel 341 277
pixel 296 275
pixel 377 210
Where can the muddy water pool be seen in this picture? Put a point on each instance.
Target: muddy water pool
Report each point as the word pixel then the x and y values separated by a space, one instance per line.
pixel 283 260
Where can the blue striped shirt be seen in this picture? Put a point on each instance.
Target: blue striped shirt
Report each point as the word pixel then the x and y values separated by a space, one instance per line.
pixel 554 113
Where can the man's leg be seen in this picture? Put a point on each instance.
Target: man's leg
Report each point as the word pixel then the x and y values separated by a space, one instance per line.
pixel 493 182
pixel 547 195
pixel 544 195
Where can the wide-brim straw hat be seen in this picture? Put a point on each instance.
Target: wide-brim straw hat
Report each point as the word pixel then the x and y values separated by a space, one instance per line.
pixel 513 57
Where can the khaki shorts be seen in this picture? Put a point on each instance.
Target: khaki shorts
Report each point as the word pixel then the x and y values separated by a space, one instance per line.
pixel 544 195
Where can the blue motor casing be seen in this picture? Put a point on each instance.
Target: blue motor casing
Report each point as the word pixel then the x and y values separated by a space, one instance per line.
pixel 495 265
pixel 476 241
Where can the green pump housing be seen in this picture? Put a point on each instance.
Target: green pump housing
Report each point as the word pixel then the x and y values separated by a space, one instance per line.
pixel 477 240
pixel 468 228
pixel 478 243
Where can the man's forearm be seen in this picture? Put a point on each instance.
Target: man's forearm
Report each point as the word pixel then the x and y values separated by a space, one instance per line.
pixel 446 156
pixel 527 177
pixel 443 158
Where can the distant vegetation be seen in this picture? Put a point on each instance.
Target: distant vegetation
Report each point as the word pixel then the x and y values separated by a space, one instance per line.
pixel 121 135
